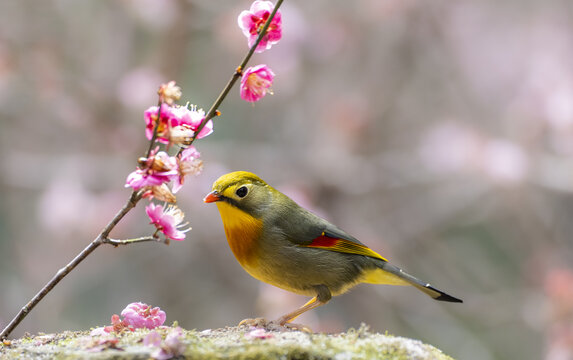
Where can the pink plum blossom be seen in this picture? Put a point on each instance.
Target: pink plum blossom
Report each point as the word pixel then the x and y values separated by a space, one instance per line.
pixel 157 169
pixel 256 82
pixel 140 315
pixel 144 177
pixel 180 118
pixel 252 21
pixel 169 92
pixel 167 120
pixel 193 118
pixel 167 220
pixel 181 135
pixel 187 163
pixel 160 192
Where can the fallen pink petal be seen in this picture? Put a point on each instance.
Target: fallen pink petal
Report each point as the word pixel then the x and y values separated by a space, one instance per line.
pixel 117 325
pixel 104 343
pixel 99 331
pixel 259 334
pixel 152 339
pixel 171 347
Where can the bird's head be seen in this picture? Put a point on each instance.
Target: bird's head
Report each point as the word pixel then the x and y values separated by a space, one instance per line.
pixel 243 190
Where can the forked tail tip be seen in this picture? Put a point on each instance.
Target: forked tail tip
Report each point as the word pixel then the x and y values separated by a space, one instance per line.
pixel 445 297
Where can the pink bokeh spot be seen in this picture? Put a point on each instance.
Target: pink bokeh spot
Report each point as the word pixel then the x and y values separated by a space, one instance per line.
pixel 140 315
pixel 252 21
pixel 256 82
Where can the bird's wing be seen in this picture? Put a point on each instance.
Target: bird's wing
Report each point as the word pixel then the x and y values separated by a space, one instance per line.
pixel 315 232
pixel 303 228
pixel 333 242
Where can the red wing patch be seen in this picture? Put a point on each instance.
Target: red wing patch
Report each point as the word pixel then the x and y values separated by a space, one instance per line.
pixel 324 241
pixel 343 246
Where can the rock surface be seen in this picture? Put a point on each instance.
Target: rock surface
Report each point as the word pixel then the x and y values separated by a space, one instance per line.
pixel 228 343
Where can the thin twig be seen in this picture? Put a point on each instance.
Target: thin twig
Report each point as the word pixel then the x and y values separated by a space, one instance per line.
pixel 154 136
pixel 116 242
pixel 236 75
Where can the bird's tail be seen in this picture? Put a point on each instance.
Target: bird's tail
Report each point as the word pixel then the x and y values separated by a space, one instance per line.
pixel 386 273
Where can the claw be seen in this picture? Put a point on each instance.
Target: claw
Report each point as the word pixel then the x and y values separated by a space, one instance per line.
pixel 256 322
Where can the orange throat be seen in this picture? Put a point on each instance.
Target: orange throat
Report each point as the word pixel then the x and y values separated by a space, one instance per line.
pixel 243 231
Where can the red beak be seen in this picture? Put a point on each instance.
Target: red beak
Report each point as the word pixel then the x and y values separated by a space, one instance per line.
pixel 212 197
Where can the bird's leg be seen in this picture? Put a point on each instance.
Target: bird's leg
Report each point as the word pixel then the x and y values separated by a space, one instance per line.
pixel 322 297
pixel 311 304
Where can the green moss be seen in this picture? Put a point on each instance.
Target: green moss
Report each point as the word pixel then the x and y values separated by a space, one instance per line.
pixel 235 343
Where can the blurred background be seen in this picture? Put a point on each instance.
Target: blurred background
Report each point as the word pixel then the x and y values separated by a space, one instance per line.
pixel 438 133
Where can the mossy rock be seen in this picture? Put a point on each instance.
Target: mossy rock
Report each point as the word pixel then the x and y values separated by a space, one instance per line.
pixel 229 343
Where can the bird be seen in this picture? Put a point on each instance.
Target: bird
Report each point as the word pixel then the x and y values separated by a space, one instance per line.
pixel 280 243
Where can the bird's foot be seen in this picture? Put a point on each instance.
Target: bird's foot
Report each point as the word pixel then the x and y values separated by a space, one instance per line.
pixel 296 327
pixel 256 322
pixel 275 325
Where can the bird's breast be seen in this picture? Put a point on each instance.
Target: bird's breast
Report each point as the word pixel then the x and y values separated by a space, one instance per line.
pixel 243 232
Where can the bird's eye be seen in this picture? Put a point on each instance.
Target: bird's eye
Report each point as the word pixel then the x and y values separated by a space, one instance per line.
pixel 242 191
